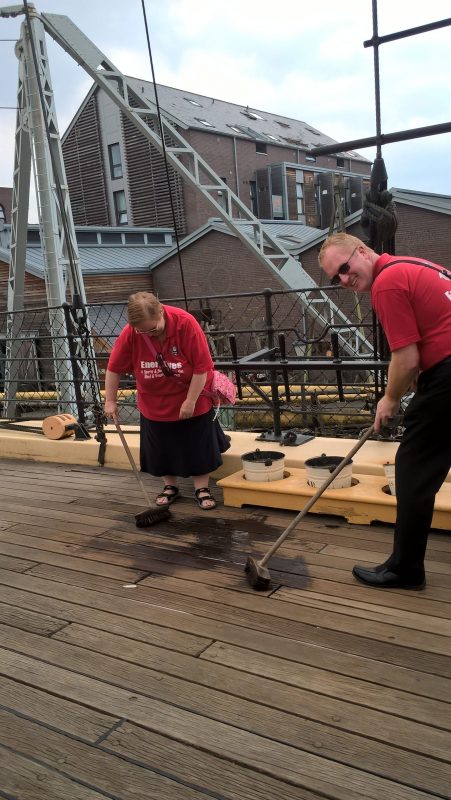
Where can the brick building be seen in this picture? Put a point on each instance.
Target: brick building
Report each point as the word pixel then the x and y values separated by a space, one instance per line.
pixel 424 225
pixel 115 177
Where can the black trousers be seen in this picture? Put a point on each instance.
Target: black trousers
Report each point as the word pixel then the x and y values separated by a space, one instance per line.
pixel 422 463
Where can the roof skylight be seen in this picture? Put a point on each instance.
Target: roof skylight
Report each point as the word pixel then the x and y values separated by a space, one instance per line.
pixel 205 122
pixel 251 114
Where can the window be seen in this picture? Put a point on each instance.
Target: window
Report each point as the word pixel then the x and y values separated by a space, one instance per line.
pixel 156 238
pixel 33 237
pixel 282 124
pixel 273 138
pixel 204 122
pixel 193 102
pixel 299 199
pixel 253 197
pixel 114 154
pixel 133 238
pixel 111 237
pixel 251 114
pixel 2 214
pixel 86 237
pixel 260 147
pixel 310 158
pixel 120 208
pixel 234 128
pixel 277 206
pixel 340 162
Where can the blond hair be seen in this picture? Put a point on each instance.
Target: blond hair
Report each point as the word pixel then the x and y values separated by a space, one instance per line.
pixel 142 307
pixel 343 240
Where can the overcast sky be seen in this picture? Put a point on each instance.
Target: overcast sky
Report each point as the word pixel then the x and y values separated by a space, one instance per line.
pixel 302 60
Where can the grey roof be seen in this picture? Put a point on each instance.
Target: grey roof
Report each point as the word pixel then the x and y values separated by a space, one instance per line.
pixel 292 235
pixel 104 260
pixel 431 202
pixel 99 259
pixel 251 123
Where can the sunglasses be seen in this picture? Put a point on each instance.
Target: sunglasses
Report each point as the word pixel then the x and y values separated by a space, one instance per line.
pixel 148 332
pixel 343 269
pixel 165 368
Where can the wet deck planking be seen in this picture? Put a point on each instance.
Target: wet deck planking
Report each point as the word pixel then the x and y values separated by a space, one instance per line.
pixel 140 664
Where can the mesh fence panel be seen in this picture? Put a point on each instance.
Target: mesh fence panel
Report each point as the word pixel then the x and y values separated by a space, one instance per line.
pixel 47 366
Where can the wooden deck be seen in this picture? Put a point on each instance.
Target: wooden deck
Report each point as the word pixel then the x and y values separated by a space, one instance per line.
pixel 139 665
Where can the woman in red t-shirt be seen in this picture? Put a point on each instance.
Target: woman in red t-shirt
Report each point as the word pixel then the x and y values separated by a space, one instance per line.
pixel 167 351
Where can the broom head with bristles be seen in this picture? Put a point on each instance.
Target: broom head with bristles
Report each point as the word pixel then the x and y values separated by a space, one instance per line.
pixel 151 516
pixel 258 577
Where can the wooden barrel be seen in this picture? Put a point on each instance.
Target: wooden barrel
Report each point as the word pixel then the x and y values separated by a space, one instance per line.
pixel 56 427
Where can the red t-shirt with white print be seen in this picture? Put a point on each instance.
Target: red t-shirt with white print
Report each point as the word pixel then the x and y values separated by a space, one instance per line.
pixel 184 350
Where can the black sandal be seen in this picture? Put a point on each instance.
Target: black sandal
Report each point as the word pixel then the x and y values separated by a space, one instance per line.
pixel 206 496
pixel 171 493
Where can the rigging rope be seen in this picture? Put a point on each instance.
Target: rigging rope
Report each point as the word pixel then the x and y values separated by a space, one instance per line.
pixel 179 255
pixel 379 211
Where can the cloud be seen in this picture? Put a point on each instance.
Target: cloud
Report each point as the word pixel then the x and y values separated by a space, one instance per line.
pixel 306 63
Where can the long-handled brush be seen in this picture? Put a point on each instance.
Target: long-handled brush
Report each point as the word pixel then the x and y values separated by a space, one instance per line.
pixel 257 572
pixel 152 515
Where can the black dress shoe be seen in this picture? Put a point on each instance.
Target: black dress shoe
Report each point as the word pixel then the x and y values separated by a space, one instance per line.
pixel 383 578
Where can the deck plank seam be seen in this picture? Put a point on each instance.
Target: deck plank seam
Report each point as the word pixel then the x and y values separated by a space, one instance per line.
pixel 215 754
pixel 114 727
pixel 47 725
pixel 164 773
pixel 52 769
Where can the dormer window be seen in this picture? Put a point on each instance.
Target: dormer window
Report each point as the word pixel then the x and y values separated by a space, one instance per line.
pixel 193 102
pixel 273 138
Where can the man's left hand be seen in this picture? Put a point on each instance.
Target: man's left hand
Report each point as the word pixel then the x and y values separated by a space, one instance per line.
pixel 187 409
pixel 386 408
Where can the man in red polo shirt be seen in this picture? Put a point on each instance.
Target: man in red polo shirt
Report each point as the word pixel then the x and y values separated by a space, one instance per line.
pixel 412 299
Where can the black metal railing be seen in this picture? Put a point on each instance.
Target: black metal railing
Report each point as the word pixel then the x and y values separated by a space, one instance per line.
pixel 295 366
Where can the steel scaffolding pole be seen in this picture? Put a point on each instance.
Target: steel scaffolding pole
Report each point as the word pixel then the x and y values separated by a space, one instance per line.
pixel 37 139
pixel 16 278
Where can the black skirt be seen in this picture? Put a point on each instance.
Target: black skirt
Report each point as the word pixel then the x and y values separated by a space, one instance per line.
pixel 183 448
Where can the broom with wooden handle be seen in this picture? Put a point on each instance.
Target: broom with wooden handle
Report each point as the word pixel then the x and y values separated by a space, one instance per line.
pixel 153 514
pixel 257 572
